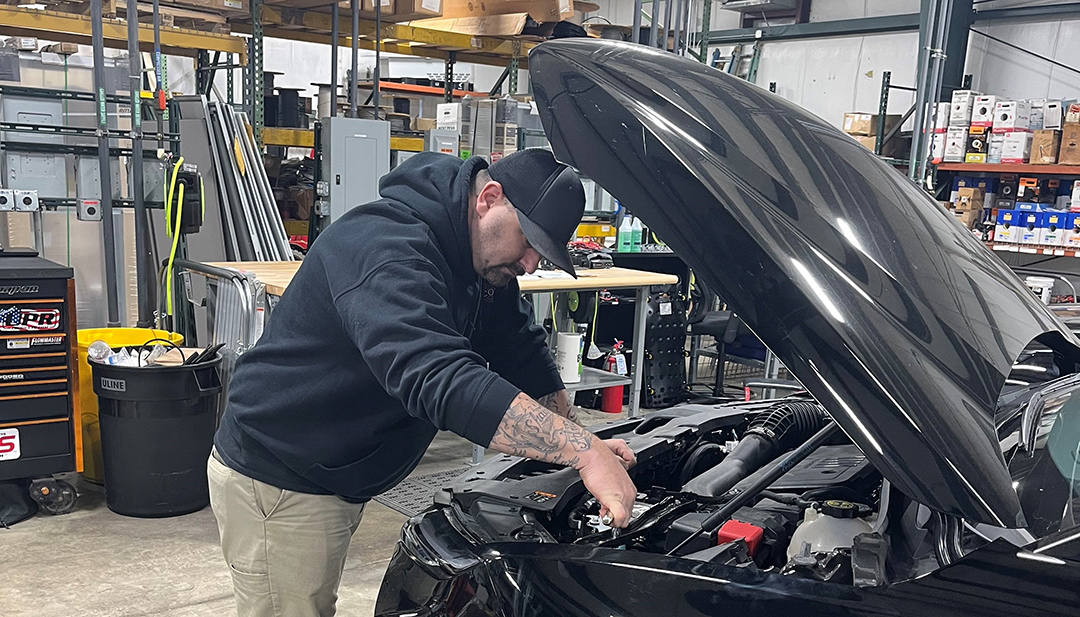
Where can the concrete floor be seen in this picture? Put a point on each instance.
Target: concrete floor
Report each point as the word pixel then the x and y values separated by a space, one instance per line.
pixel 95 563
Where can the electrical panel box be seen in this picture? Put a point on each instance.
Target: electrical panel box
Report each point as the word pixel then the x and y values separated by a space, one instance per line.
pixel 442 140
pixel 43 172
pixel 356 155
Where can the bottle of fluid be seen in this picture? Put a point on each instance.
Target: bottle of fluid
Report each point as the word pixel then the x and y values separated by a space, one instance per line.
pixel 626 235
pixel 635 236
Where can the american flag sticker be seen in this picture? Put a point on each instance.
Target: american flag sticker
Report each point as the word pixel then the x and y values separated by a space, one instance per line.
pixel 16 319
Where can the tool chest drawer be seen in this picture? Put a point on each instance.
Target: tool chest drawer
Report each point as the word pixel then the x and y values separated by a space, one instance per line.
pixel 34 450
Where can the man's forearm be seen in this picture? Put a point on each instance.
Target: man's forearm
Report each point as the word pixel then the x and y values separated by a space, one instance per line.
pixel 528 429
pixel 559 402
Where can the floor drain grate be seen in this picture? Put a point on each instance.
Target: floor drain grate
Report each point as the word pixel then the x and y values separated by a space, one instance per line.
pixel 414 494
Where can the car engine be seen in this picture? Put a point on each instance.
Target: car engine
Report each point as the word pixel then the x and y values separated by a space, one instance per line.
pixel 820 513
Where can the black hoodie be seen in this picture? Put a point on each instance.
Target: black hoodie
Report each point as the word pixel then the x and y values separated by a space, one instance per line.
pixel 384 337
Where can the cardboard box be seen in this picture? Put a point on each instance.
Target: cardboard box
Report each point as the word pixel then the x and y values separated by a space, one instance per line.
pixel 956 139
pixel 1017 147
pixel 1071 237
pixel 1007 227
pixel 1005 204
pixel 1035 120
pixel 386 7
pixel 1053 115
pixel 1074 198
pixel 1008 185
pixel 976 145
pixel 1048 190
pixel 970 198
pixel 1010 116
pixel 1030 224
pixel 993 148
pixel 970 218
pixel 897 147
pixel 1069 154
pixel 937 147
pixel 982 112
pixel 538 10
pixel 960 110
pixel 1072 113
pixel 1029 206
pixel 408 10
pixel 941 118
pixel 1052 229
pixel 424 124
pixel 856 123
pixel 1044 146
pixel 225 7
pixel 1027 189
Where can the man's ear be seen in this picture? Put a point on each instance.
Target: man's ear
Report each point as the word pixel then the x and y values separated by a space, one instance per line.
pixel 489 197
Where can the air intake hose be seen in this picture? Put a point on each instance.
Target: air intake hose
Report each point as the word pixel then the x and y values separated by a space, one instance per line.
pixel 781 428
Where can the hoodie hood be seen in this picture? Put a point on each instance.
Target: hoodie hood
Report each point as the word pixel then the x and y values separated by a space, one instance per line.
pixel 899 321
pixel 437 187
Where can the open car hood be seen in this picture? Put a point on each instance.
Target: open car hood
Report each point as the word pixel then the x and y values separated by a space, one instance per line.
pixel 900 322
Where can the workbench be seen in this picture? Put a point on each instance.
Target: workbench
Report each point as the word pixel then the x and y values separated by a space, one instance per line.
pixel 277 275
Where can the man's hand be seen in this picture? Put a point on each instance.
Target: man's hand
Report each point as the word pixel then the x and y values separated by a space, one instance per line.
pixel 604 475
pixel 527 429
pixel 623 451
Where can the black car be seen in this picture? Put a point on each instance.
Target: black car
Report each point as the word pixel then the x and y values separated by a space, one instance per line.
pixel 951 487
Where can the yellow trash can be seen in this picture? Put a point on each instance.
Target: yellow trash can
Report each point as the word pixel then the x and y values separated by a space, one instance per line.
pixel 93 470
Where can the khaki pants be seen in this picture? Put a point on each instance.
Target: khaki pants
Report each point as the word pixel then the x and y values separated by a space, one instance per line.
pixel 285 550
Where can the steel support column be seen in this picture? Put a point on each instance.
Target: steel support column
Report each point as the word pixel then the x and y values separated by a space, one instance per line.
pixel 256 63
pixel 333 58
pixel 703 36
pixel 635 33
pixel 353 77
pixel 956 44
pixel 448 79
pixel 513 77
pixel 108 230
pixel 144 259
pixel 653 28
pixel 376 86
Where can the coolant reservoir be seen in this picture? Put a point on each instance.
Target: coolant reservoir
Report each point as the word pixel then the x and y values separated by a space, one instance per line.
pixel 833 526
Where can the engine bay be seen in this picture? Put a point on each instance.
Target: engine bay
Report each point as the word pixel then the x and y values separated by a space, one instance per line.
pixel 739 484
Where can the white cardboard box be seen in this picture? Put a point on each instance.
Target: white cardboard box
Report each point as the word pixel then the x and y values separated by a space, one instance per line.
pixel 1008 226
pixel 1052 231
pixel 941 120
pixel 956 139
pixel 993 148
pixel 1035 118
pixel 937 146
pixel 1017 147
pixel 982 112
pixel 1030 227
pixel 1053 115
pixel 962 103
pixel 1012 116
pixel 448 116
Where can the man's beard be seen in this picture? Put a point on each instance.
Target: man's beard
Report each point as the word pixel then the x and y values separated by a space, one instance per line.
pixel 501 275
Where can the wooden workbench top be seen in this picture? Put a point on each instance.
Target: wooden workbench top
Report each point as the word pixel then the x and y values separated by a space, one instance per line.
pixel 277 275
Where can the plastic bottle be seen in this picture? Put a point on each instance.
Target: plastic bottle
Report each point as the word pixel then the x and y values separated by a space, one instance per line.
pixel 626 233
pixel 99 351
pixel 635 236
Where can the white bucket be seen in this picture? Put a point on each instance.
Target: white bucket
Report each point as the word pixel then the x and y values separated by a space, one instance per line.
pixel 1041 286
pixel 568 357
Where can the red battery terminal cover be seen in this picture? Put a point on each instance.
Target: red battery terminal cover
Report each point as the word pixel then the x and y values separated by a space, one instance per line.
pixel 734 530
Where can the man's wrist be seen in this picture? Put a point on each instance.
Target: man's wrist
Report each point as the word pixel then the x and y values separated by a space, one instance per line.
pixel 587 457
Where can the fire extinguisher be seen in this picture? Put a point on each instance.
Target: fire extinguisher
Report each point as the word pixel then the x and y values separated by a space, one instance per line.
pixel 612 397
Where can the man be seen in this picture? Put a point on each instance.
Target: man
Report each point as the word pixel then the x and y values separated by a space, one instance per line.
pixel 405 318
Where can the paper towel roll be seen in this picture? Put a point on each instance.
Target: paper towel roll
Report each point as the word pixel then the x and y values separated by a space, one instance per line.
pixel 568 357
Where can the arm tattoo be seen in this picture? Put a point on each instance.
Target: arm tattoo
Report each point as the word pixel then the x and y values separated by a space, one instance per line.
pixel 528 429
pixel 559 402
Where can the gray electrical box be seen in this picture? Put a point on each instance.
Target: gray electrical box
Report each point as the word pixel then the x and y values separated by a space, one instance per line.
pixel 356 155
pixel 442 140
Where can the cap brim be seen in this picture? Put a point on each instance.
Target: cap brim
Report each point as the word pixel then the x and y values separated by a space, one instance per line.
pixel 549 249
